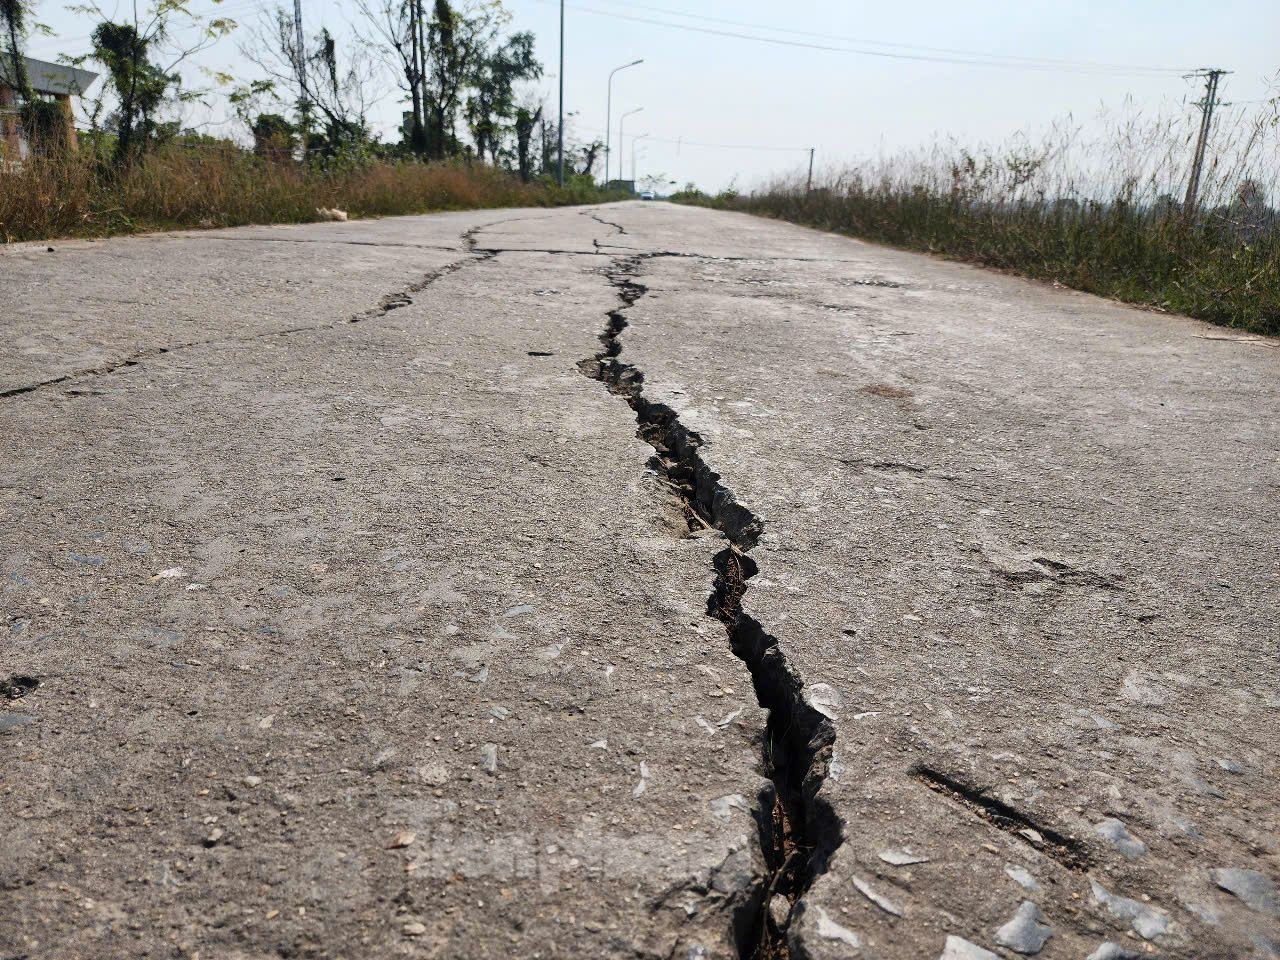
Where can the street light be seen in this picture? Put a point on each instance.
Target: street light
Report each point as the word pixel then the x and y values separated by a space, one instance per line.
pixel 634 141
pixel 608 114
pixel 622 120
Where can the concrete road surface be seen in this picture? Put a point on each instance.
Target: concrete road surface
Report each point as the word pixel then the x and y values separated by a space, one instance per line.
pixel 633 581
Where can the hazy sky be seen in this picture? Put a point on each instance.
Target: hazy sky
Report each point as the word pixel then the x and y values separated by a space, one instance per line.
pixel 707 88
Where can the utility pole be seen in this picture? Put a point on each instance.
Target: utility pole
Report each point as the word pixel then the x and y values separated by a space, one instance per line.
pixel 809 185
pixel 1211 78
pixel 561 124
pixel 298 45
pixel 300 67
pixel 608 116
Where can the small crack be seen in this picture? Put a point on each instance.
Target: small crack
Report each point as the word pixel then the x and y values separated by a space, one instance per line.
pixel 390 302
pixel 1067 850
pixel 687 255
pixel 471 236
pixel 614 251
pixel 884 466
pixel 550 250
pixel 395 301
pixel 316 240
pixel 799 830
pixel 99 371
pixel 594 215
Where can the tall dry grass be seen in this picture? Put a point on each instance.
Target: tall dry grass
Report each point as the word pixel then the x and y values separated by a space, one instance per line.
pixel 179 186
pixel 1101 212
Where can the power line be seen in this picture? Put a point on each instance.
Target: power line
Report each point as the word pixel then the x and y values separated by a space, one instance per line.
pixel 1015 58
pixel 862 51
pixel 682 142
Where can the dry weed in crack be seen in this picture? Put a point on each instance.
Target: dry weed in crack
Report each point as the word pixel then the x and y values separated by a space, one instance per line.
pixel 799 831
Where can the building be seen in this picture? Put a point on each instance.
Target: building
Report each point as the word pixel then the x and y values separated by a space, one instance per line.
pixel 49 81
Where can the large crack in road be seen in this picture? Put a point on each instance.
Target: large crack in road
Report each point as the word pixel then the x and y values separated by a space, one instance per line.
pixel 798 830
pixel 1002 720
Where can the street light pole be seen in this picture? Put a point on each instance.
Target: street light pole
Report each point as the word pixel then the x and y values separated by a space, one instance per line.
pixel 621 121
pixel 608 116
pixel 560 176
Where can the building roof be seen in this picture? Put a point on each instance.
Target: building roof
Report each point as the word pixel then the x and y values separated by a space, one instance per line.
pixel 51 77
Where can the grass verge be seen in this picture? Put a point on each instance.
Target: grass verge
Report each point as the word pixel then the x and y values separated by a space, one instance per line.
pixel 1195 268
pixel 1104 215
pixel 220 187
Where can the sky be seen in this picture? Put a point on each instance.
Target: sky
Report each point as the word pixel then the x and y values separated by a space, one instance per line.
pixel 723 110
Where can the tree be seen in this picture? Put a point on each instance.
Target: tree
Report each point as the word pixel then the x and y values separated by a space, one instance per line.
pixel 589 155
pixel 330 87
pixel 399 26
pixel 143 67
pixel 454 44
pixel 526 121
pixel 13 13
pixel 274 137
pixel 656 181
pixel 140 86
pixel 491 107
pixel 339 94
pixel 449 62
pixel 43 122
pixel 548 145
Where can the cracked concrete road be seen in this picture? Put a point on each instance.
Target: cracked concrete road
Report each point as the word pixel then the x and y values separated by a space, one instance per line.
pixel 348 614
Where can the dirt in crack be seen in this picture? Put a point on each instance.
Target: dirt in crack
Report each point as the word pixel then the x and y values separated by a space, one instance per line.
pixel 798 829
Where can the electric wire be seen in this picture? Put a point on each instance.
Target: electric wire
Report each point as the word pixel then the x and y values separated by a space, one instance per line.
pixel 1039 66
pixel 1013 58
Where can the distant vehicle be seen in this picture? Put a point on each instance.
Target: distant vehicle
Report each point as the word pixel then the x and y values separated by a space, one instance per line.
pixel 648 195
